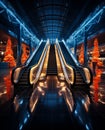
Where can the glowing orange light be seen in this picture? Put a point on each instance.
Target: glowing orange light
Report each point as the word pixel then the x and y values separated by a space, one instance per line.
pixel 24 56
pixel 95 53
pixel 95 56
pixel 96 80
pixel 97 77
pixel 8 55
pixel 81 56
pixel 7 81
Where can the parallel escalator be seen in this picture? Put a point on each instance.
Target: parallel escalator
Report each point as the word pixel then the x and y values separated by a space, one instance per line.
pixel 51 111
pixel 23 80
pixel 79 81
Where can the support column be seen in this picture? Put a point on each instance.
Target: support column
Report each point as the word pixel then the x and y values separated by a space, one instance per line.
pixel 75 48
pixel 85 49
pixel 19 45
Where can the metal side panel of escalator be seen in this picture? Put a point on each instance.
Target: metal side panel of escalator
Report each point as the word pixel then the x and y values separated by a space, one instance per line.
pixel 79 79
pixel 24 78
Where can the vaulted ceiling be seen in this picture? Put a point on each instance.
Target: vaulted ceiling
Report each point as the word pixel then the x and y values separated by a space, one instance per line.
pixel 53 18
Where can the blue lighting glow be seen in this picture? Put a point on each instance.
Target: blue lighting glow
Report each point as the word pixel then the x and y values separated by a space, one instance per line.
pixel 87 127
pixel 28 115
pixel 21 126
pixel 93 18
pixel 52 100
pixel 21 102
pixel 12 33
pixel 25 120
pixel 17 21
pixel 75 112
pixel 83 101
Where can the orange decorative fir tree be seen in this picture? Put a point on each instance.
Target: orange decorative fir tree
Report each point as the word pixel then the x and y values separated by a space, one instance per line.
pixel 95 53
pixel 24 56
pixel 8 55
pixel 8 84
pixel 81 55
pixel 95 56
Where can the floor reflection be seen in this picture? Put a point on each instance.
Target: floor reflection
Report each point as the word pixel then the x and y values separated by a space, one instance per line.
pixel 97 88
pixel 6 88
pixel 86 107
pixel 81 110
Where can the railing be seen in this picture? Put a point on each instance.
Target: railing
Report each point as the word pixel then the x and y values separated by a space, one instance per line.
pixel 88 74
pixel 84 70
pixel 17 72
pixel 67 69
pixel 35 70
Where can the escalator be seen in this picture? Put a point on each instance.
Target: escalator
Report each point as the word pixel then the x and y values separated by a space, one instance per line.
pixel 23 80
pixel 79 81
pixel 51 111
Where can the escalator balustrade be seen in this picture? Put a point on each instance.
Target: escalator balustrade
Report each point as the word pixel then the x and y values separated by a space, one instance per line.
pixel 23 81
pixel 79 78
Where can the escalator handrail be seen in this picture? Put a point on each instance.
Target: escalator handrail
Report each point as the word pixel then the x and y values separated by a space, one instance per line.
pixel 39 64
pixel 90 71
pixel 23 67
pixel 80 67
pixel 29 68
pixel 66 65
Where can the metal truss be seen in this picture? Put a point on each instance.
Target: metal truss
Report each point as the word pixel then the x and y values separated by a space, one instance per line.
pixel 93 19
pixel 14 19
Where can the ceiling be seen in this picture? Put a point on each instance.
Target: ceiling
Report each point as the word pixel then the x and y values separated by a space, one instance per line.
pixel 53 18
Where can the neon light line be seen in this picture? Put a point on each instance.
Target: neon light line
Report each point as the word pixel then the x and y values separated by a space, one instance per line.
pixel 12 14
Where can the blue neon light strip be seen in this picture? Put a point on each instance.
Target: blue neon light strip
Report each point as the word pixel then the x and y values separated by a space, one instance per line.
pixel 86 23
pixel 18 21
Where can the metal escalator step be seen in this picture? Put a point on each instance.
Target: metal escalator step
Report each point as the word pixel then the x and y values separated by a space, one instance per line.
pixel 23 79
pixel 79 80
pixel 25 83
pixel 80 83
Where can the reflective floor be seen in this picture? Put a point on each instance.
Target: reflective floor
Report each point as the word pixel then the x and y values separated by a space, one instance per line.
pixel 52 105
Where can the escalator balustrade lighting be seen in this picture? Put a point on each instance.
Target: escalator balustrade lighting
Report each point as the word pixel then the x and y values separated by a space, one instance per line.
pixel 36 70
pixel 16 74
pixel 17 70
pixel 69 75
pixel 44 69
pixel 60 73
pixel 84 71
pixel 87 74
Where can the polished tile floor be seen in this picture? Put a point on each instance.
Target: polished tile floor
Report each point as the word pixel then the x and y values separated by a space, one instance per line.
pixel 88 111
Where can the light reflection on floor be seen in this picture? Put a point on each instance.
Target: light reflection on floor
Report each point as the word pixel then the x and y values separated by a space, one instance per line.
pixel 97 88
pixel 97 92
pixel 6 88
